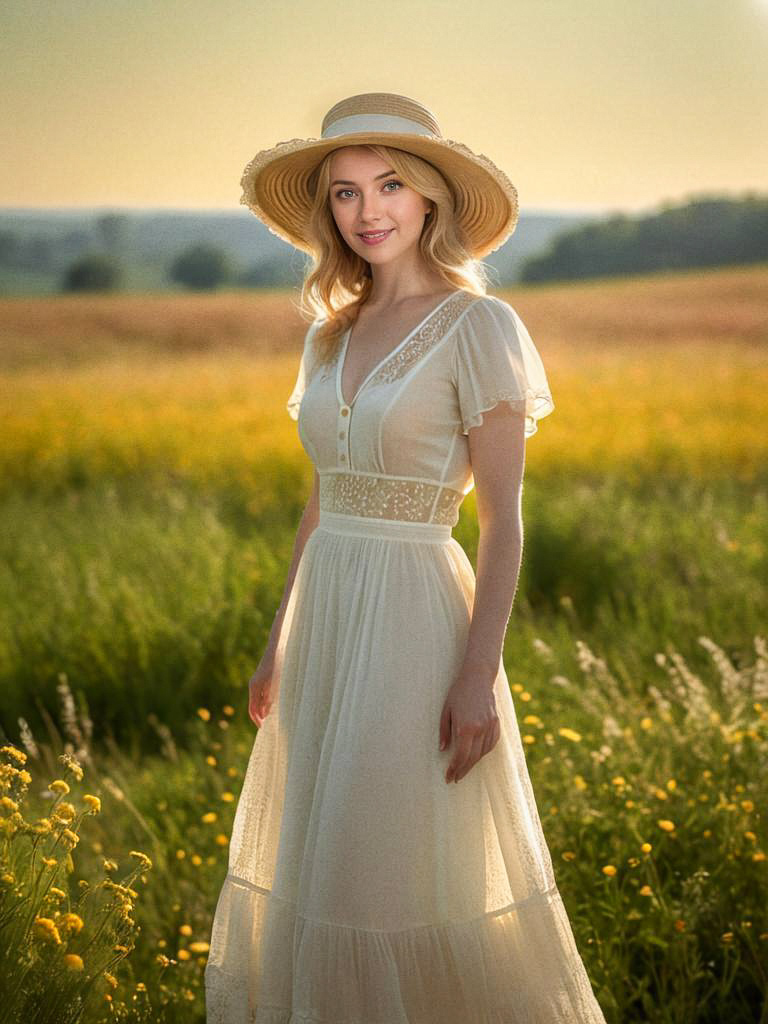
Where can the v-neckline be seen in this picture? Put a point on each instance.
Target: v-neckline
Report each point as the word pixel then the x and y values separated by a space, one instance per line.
pixel 345 345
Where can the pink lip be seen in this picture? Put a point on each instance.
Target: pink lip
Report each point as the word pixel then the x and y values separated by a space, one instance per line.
pixel 376 241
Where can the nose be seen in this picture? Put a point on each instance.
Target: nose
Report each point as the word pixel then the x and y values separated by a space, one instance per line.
pixel 370 212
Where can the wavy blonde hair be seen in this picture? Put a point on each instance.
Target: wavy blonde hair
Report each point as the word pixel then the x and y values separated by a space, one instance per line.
pixel 338 281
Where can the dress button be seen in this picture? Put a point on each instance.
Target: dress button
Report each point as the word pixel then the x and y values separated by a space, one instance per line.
pixel 343 458
pixel 342 435
pixel 345 411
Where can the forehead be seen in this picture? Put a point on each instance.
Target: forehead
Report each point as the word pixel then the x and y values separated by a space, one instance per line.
pixel 357 162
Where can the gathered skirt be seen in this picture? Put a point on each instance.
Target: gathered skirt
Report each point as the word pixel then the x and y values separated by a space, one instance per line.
pixel 362 888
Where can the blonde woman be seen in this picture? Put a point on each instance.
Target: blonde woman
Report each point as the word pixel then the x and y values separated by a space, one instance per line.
pixel 387 862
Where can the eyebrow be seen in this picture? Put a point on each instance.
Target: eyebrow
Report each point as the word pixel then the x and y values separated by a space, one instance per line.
pixel 342 181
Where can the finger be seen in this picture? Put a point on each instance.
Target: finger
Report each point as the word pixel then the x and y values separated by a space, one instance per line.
pixel 473 757
pixel 459 758
pixel 445 727
pixel 490 739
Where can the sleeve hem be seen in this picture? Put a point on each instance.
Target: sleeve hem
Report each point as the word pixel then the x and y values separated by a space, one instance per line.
pixel 293 408
pixel 535 405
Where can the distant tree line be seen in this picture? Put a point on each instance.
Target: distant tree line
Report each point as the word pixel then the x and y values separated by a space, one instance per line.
pixel 98 260
pixel 704 232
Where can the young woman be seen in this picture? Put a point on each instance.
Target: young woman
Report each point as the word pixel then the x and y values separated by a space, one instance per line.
pixel 387 862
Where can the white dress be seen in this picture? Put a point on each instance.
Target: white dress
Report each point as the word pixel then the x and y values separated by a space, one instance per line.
pixel 363 888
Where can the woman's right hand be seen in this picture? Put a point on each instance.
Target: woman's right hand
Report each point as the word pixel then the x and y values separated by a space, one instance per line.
pixel 260 692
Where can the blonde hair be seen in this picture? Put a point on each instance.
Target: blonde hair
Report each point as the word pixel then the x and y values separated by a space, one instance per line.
pixel 338 281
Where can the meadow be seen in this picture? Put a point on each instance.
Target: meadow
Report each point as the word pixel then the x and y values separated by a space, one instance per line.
pixel 150 486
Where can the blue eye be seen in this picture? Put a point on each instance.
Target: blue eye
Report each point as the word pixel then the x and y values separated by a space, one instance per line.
pixel 392 181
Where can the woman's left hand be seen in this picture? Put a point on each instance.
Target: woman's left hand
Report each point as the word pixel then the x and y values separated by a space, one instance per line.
pixel 469 717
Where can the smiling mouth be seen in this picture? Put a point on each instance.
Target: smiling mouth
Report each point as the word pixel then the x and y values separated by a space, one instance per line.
pixel 373 234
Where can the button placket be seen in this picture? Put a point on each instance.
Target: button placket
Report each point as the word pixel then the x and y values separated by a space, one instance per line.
pixel 343 447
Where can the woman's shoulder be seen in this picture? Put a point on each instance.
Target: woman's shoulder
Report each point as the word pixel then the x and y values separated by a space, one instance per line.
pixel 488 314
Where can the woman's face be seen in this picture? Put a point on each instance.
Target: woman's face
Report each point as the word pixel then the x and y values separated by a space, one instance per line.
pixel 367 196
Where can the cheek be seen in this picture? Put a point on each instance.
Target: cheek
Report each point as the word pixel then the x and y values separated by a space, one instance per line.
pixel 340 214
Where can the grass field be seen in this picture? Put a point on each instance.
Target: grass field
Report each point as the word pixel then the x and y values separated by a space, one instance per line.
pixel 150 486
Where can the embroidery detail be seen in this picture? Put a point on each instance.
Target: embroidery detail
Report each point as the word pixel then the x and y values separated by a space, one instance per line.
pixel 389 497
pixel 434 330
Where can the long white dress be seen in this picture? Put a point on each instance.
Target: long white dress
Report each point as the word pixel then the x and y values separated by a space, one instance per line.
pixel 363 888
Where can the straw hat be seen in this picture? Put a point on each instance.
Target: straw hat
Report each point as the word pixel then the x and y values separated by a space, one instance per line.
pixel 275 181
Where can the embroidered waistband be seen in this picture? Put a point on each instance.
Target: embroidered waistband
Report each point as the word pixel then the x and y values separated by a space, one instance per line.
pixel 389 497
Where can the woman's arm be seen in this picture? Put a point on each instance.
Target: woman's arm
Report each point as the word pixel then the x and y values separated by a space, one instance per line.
pixel 497 453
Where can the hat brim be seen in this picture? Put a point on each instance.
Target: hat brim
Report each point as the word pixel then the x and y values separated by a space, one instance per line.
pixel 275 188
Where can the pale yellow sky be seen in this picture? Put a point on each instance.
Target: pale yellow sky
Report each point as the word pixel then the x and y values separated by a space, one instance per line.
pixel 586 104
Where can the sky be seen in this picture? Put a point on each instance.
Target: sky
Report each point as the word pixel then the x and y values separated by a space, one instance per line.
pixel 587 105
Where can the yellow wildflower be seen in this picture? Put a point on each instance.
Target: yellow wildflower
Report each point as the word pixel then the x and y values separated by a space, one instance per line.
pixel 609 870
pixel 228 710
pixel 221 839
pixel 199 947
pixel 680 925
pixel 72 764
pixel 668 826
pixel 59 786
pixel 16 755
pixel 205 714
pixel 93 802
pixel 70 838
pixel 569 855
pixel 570 734
pixel 646 723
pixel 65 811
pixel 110 979
pixel 44 928
pixel 146 863
pixel 747 805
pixel 185 929
pixel 184 954
pixel 645 890
pixel 71 922
pixel 209 818
pixel 727 936
pixel 227 797
pixel 73 962
pixel 758 856
pixel 58 893
pixel 50 862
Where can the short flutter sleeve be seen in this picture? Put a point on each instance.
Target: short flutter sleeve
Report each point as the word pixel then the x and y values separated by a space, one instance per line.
pixel 495 361
pixel 303 375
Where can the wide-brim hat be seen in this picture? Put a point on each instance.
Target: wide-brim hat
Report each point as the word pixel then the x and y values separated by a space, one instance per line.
pixel 275 181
